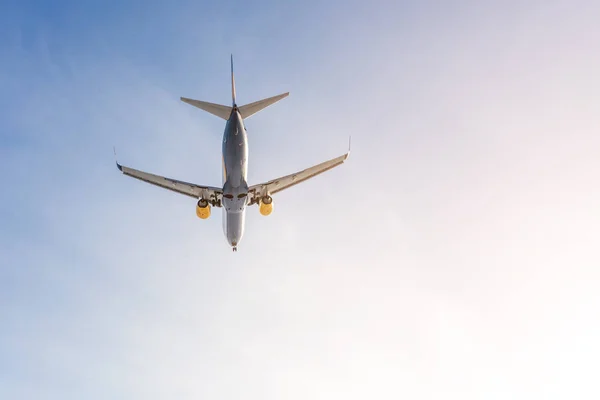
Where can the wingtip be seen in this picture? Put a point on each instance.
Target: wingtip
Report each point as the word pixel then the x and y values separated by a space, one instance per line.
pixel 116 161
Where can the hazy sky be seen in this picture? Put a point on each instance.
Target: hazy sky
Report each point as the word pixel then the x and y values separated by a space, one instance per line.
pixel 455 255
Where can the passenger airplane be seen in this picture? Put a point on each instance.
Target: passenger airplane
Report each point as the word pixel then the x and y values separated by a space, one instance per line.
pixel 235 194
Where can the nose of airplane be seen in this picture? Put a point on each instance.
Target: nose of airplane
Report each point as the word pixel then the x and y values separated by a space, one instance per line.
pixel 234 246
pixel 234 228
pixel 234 237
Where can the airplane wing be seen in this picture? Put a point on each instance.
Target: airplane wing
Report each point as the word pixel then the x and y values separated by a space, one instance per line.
pixel 279 184
pixel 212 194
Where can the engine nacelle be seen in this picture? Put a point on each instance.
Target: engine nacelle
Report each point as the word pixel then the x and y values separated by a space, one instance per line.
pixel 266 205
pixel 203 209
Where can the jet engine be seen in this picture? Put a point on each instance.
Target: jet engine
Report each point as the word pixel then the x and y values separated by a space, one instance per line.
pixel 203 209
pixel 266 205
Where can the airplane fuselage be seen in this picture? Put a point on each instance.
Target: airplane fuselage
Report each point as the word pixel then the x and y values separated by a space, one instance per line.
pixel 235 185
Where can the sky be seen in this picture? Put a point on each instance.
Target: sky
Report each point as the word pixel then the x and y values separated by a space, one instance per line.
pixel 454 256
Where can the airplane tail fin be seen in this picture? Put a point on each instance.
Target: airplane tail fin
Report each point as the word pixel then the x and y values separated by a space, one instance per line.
pixel 225 111
pixel 232 83
pixel 215 109
pixel 252 108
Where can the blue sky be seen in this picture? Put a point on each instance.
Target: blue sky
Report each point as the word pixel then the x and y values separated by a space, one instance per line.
pixel 454 256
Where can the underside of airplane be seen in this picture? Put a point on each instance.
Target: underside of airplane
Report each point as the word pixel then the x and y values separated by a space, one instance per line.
pixel 235 194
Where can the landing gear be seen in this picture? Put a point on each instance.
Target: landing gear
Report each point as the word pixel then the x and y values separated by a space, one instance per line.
pixel 234 248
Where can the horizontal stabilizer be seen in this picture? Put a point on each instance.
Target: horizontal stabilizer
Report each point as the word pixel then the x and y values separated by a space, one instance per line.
pixel 252 108
pixel 215 109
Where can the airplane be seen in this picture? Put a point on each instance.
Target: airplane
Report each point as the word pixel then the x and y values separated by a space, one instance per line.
pixel 235 195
